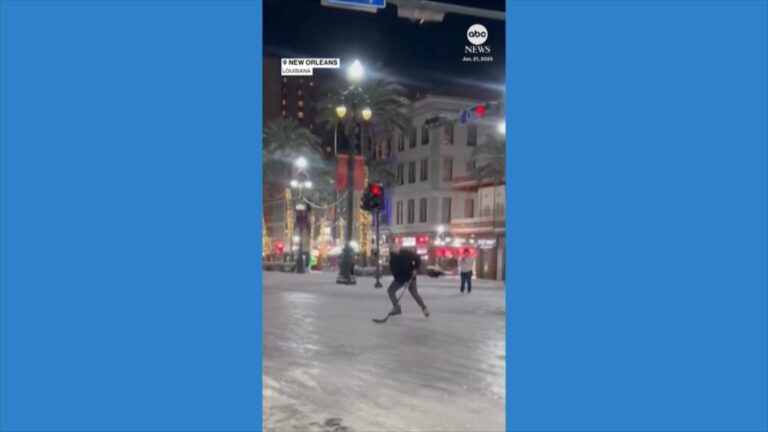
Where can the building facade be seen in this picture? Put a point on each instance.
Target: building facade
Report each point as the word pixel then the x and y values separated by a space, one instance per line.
pixel 435 207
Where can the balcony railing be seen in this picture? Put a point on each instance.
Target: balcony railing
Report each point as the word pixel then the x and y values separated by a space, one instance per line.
pixel 481 223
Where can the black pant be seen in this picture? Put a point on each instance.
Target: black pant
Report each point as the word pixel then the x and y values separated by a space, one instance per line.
pixel 396 285
pixel 466 278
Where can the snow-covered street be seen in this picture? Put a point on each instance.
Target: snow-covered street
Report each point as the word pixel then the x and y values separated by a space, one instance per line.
pixel 328 367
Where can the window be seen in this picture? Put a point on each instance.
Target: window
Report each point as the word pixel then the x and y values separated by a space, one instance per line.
pixel 446 214
pixel 399 213
pixel 448 131
pixel 411 211
pixel 470 167
pixel 300 114
pixel 423 172
pixel 412 172
pixel 469 208
pixel 447 169
pixel 301 103
pixel 423 210
pixel 424 135
pixel 486 211
pixel 400 177
pixel 472 135
pixel 412 140
pixel 284 102
pixel 400 142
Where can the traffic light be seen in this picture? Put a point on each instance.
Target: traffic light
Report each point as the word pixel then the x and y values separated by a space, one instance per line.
pixel 372 198
pixel 377 195
pixel 479 111
pixel 365 200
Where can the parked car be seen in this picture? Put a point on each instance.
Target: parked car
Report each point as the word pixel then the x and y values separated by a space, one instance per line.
pixel 435 271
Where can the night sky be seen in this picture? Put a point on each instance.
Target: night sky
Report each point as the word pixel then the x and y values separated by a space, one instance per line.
pixel 424 56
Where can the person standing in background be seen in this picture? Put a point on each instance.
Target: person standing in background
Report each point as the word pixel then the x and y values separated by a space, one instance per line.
pixel 466 263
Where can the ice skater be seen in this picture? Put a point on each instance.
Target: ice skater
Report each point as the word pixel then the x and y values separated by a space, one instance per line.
pixel 465 271
pixel 404 265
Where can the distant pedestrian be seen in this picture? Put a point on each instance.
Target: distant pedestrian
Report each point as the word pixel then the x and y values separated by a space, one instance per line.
pixel 404 265
pixel 465 271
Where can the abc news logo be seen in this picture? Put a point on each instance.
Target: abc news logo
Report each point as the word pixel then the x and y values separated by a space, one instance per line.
pixel 477 34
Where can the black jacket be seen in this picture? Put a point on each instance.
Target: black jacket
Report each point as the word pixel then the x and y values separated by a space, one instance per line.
pixel 403 263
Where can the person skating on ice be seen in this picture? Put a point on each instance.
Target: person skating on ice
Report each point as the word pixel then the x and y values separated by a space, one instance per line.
pixel 404 265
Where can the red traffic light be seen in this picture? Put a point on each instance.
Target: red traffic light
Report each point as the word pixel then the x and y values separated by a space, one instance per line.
pixel 480 110
pixel 375 190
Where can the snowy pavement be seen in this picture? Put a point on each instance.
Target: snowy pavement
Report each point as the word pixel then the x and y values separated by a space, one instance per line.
pixel 328 367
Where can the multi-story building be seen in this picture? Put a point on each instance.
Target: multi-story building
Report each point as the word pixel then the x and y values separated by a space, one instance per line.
pixel 481 223
pixel 435 208
pixel 291 97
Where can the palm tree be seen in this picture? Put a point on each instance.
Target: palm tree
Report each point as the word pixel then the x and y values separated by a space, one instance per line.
pixel 490 160
pixel 284 141
pixel 388 101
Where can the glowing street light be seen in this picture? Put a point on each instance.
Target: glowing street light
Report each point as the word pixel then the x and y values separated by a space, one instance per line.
pixel 367 113
pixel 355 72
pixel 301 162
pixel 502 128
pixel 294 184
pixel 308 184
pixel 440 229
pixel 341 111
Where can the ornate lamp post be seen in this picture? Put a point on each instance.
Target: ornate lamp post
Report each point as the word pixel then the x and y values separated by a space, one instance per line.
pixel 297 183
pixel 354 75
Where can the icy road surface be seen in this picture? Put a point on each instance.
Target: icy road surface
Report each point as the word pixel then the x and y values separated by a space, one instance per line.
pixel 328 367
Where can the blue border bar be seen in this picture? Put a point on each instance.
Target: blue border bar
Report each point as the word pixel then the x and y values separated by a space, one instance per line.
pixel 130 216
pixel 637 222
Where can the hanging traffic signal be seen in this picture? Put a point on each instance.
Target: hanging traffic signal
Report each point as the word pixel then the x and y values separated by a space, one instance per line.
pixel 377 195
pixel 479 111
pixel 373 197
pixel 365 200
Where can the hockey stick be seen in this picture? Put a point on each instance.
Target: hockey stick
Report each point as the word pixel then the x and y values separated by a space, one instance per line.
pixel 405 288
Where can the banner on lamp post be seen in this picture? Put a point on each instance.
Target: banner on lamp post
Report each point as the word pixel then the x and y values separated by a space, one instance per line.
pixel 359 180
pixel 341 172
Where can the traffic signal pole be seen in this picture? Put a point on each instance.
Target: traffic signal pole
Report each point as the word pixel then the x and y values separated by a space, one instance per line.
pixel 378 250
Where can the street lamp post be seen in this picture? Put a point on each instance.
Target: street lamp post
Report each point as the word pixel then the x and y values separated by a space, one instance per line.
pixel 301 164
pixel 355 74
pixel 440 242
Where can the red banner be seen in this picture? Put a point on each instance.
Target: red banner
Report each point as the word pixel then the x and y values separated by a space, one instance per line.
pixel 342 169
pixel 341 173
pixel 359 183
